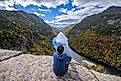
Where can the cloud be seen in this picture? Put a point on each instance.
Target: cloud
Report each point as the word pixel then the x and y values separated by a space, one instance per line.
pixel 68 20
pixel 38 14
pixel 105 3
pixel 63 21
pixel 6 5
pixel 73 17
pixel 45 10
pixel 47 21
pixel 57 24
pixel 63 10
pixel 24 3
pixel 87 8
pixel 51 3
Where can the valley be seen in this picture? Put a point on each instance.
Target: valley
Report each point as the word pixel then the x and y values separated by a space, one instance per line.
pixel 98 37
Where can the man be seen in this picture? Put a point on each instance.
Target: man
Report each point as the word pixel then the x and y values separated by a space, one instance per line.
pixel 61 62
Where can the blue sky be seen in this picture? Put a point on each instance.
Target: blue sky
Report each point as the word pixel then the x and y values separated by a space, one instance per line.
pixel 60 13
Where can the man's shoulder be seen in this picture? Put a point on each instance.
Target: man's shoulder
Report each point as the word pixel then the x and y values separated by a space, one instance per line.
pixel 55 54
pixel 63 55
pixel 66 55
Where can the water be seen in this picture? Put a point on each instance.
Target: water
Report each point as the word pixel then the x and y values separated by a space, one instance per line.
pixel 64 40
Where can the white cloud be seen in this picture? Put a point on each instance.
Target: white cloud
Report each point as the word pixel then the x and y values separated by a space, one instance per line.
pixel 87 11
pixel 47 21
pixel 55 23
pixel 51 3
pixel 24 3
pixel 38 14
pixel 45 10
pixel 6 6
pixel 71 16
pixel 73 9
pixel 79 15
pixel 76 16
pixel 63 10
pixel 105 3
pixel 70 12
pixel 62 2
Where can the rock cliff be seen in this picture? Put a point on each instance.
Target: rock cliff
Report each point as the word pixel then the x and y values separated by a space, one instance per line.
pixel 27 67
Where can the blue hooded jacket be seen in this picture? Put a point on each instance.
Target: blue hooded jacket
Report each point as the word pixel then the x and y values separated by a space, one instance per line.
pixel 61 62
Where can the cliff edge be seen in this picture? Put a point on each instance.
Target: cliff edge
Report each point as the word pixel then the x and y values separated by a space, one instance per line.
pixel 27 67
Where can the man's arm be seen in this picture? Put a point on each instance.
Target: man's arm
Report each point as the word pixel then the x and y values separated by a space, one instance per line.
pixel 69 58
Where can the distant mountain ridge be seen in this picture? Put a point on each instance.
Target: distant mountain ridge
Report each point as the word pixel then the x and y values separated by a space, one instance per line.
pixel 99 37
pixel 67 29
pixel 100 22
pixel 113 9
pixel 20 30
pixel 27 19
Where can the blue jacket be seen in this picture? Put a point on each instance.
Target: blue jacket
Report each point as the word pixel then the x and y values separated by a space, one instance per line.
pixel 60 65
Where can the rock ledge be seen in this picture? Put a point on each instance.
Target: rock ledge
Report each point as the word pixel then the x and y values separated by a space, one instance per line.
pixel 39 68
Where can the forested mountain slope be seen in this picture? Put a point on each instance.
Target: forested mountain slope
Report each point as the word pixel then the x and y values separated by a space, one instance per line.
pixel 23 31
pixel 99 37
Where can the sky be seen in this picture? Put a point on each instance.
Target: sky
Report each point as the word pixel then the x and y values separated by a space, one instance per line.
pixel 59 13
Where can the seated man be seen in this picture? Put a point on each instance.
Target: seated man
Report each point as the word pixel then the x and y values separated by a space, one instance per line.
pixel 61 62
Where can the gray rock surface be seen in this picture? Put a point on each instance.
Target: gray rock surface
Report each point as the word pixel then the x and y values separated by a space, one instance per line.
pixel 39 68
pixel 5 54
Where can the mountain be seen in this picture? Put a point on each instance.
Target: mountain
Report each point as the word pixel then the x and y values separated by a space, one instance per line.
pixel 67 29
pixel 23 31
pixel 106 23
pixel 55 30
pixel 99 37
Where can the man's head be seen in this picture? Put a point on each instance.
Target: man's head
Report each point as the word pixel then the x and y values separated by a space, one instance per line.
pixel 60 49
